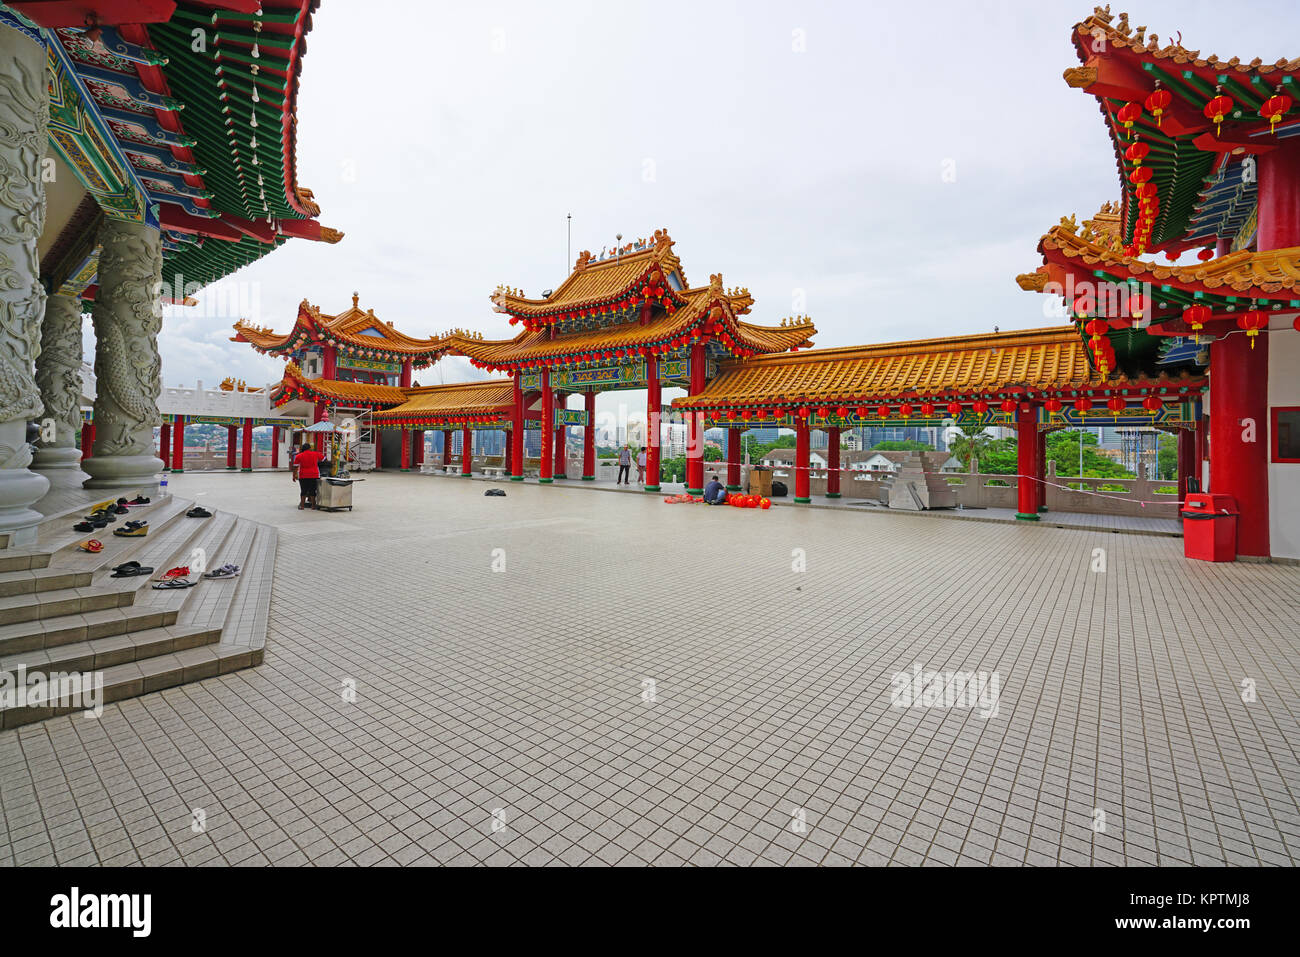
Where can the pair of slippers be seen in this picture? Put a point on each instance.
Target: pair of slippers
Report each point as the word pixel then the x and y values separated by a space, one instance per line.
pixel 198 511
pixel 496 492
pixel 132 530
pixel 130 570
pixel 94 546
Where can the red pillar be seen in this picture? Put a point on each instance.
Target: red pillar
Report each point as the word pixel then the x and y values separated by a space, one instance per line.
pixel 832 463
pixel 405 381
pixel 548 427
pixel 446 447
pixel 329 363
pixel 1186 460
pixel 695 427
pixel 419 447
pixel 1239 434
pixel 1026 462
pixel 589 439
pixel 653 432
pixel 231 442
pixel 467 452
pixel 734 455
pixel 164 445
pixel 275 446
pixel 178 444
pixel 802 460
pixel 246 463
pixel 87 439
pixel 517 431
pixel 1040 487
pixel 406 450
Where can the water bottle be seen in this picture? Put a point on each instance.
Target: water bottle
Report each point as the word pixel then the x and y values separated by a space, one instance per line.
pixel 162 484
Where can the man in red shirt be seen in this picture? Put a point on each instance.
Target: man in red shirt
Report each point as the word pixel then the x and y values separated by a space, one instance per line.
pixel 306 466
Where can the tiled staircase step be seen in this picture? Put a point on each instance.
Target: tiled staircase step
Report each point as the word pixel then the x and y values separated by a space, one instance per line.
pixel 116 549
pixel 67 629
pixel 55 533
pixel 246 619
pixel 34 580
pixel 211 538
pixel 60 601
pixel 172 546
pixel 212 599
pixel 100 654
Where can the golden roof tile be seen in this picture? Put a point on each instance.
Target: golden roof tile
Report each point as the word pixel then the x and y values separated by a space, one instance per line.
pixel 491 396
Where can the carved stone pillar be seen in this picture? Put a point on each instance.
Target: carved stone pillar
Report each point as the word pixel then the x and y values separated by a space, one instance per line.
pixel 127 317
pixel 58 375
pixel 24 115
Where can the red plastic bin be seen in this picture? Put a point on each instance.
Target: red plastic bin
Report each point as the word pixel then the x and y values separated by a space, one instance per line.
pixel 1210 527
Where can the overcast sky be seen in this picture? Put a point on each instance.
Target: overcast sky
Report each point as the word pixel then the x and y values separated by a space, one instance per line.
pixel 799 149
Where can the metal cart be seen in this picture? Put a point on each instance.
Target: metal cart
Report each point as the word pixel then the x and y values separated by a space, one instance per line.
pixel 334 494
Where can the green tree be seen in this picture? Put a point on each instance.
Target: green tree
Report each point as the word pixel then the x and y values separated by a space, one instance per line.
pixel 1167 458
pixel 970 440
pixel 903 445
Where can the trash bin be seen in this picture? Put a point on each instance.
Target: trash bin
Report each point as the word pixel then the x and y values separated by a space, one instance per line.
pixel 1210 527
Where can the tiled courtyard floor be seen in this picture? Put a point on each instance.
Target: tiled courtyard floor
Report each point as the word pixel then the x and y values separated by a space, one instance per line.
pixel 520 695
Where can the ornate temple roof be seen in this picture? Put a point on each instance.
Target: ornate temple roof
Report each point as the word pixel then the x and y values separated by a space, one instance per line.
pixel 355 331
pixel 438 404
pixel 296 385
pixel 1190 154
pixel 988 365
pixel 184 118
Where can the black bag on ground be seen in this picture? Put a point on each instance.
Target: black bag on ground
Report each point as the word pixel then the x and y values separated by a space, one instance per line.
pixel 779 490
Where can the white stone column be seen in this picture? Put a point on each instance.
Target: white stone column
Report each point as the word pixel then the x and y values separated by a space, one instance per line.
pixel 58 375
pixel 127 317
pixel 24 115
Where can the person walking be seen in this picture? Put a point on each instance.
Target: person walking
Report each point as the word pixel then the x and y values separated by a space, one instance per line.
pixel 640 466
pixel 624 465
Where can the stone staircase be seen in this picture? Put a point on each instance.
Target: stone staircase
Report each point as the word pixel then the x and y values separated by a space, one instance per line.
pixel 61 611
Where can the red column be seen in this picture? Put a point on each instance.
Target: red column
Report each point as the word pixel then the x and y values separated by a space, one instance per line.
pixel 653 433
pixel 1026 462
pixel 467 452
pixel 329 363
pixel 734 455
pixel 517 432
pixel 246 463
pixel 406 450
pixel 589 439
pixel 1239 434
pixel 446 447
pixel 1279 197
pixel 231 441
pixel 1186 460
pixel 801 460
pixel 178 444
pixel 419 447
pixel 695 427
pixel 548 427
pixel 87 439
pixel 832 463
pixel 405 381
pixel 275 446
pixel 164 445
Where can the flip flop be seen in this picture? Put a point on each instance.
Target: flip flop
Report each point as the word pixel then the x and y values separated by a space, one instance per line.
pixel 133 572
pixel 173 583
pixel 93 546
pixel 85 527
pixel 180 571
pixel 124 565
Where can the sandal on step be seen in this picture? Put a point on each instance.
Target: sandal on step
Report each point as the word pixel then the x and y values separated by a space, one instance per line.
pixel 133 572
pixel 174 583
pixel 198 511
pixel 93 546
pixel 125 565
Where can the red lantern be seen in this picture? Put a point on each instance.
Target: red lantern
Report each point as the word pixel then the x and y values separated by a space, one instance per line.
pixel 1053 405
pixel 746 414
pixel 1116 403
pixel 905 410
pixel 1008 405
pixel 1205 255
pixel 1273 109
pixel 1218 108
pixel 927 409
pixel 863 412
pixel 1128 114
pixel 1252 322
pixel 761 414
pixel 980 406
pixel 1157 102
pixel 823 411
pixel 954 409
pixel 1136 153
pixel 1140 175
pixel 1196 316
pixel 842 412
pixel 1152 403
pixel 1145 190
pixel 882 411
pixel 1083 404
